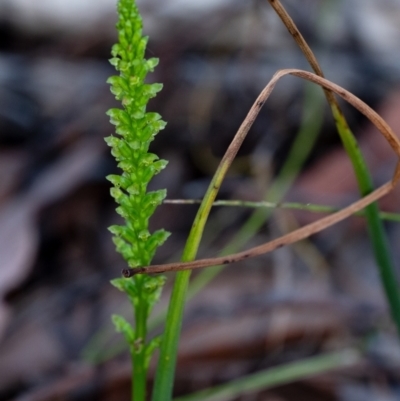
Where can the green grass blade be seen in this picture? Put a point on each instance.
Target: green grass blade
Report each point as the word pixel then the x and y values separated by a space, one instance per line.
pixel 309 207
pixel 275 376
pixel 165 372
pixel 167 361
pixel 166 366
pixel 376 230
pixel 375 226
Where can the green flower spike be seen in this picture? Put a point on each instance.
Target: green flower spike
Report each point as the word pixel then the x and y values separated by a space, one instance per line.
pixel 135 129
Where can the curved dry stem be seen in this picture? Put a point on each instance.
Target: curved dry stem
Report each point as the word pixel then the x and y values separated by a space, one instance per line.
pixel 309 229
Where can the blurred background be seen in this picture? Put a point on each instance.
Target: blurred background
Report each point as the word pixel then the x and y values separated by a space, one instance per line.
pixel 56 255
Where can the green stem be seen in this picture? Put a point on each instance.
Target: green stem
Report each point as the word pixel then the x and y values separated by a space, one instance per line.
pixel 376 230
pixel 165 373
pixel 382 255
pixel 166 368
pixel 309 207
pixel 138 349
pixel 375 226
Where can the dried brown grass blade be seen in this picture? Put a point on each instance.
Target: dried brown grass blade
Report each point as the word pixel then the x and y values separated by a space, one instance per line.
pixel 309 229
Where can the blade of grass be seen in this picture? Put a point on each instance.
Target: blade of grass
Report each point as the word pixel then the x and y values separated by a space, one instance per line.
pixel 165 372
pixel 166 366
pixel 168 351
pixel 309 207
pixel 276 376
pixel 375 226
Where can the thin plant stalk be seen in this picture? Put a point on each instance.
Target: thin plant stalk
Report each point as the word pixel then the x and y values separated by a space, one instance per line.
pixel 139 371
pixel 308 207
